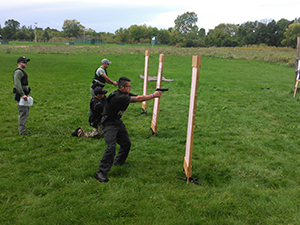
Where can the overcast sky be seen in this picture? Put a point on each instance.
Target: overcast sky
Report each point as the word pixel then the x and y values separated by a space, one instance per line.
pixel 108 16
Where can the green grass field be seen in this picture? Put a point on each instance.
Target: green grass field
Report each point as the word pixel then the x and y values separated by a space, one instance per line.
pixel 245 155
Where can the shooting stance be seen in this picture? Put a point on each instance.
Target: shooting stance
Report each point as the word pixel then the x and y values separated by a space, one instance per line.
pixel 21 90
pixel 96 115
pixel 114 129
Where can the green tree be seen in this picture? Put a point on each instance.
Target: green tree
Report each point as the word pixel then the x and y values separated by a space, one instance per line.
pixel 152 31
pixel 282 25
pixel 246 34
pixel 291 35
pixel 261 33
pixel 176 38
pixel 136 33
pixel 164 36
pixel 90 33
pixel 229 28
pixel 219 37
pixel 186 23
pixel 201 33
pixel 46 36
pixel 10 29
pixel 122 35
pixel 72 28
pixel 53 33
pixel 272 31
pixel 22 34
pixel 223 35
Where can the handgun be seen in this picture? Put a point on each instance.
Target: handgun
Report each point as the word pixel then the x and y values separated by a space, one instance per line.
pixel 162 89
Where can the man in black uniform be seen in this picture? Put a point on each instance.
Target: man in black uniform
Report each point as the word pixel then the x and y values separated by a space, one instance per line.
pixel 21 90
pixel 96 115
pixel 114 129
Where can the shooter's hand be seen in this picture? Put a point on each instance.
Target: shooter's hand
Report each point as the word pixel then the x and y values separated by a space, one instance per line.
pixel 157 94
pixel 115 83
pixel 25 98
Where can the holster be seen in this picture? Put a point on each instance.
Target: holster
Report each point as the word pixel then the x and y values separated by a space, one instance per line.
pixel 96 84
pixel 27 91
pixel 17 96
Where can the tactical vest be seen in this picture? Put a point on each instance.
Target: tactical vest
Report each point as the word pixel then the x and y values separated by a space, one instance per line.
pixel 24 80
pixel 101 79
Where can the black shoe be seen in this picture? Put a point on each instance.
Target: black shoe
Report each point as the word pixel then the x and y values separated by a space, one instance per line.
pixel 101 177
pixel 28 135
pixel 75 133
pixel 124 164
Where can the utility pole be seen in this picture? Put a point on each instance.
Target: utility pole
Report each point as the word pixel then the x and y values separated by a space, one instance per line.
pixel 35 25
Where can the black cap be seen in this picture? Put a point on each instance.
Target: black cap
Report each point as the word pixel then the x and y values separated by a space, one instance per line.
pixel 100 91
pixel 22 59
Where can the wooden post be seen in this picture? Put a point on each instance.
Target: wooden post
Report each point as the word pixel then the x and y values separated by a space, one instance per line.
pixel 146 70
pixel 187 164
pixel 157 100
pixel 297 67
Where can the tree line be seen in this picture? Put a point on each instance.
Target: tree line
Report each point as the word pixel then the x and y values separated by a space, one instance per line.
pixel 184 33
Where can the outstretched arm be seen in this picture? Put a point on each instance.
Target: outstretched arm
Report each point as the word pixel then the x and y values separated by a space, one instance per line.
pixel 108 80
pixel 141 98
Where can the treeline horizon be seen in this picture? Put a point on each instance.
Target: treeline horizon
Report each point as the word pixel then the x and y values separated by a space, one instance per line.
pixel 185 33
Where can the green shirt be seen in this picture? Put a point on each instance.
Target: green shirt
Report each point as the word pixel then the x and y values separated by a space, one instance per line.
pixel 100 71
pixel 18 74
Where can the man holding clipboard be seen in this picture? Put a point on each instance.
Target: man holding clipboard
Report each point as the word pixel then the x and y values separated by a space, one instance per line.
pixel 21 92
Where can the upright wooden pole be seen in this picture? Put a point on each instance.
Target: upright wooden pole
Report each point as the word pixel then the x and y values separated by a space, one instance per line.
pixel 187 164
pixel 146 70
pixel 157 100
pixel 297 66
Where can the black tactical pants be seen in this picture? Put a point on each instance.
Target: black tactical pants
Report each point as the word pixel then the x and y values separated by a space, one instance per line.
pixel 114 133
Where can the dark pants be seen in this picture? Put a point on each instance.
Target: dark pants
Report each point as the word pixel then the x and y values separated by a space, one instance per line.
pixel 114 133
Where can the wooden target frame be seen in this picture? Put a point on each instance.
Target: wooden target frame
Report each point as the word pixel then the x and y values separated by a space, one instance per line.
pixel 146 70
pixel 187 164
pixel 157 100
pixel 297 69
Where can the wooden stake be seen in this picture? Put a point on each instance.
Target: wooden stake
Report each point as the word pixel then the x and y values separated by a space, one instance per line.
pixel 146 70
pixel 187 164
pixel 157 100
pixel 297 67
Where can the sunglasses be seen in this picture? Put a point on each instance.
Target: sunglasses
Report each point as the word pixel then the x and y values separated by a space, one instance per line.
pixel 127 86
pixel 25 62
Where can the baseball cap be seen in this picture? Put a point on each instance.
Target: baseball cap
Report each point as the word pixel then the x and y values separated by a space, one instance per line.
pixel 22 59
pixel 100 91
pixel 105 61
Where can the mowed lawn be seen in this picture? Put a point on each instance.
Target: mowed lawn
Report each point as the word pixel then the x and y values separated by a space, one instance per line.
pixel 245 155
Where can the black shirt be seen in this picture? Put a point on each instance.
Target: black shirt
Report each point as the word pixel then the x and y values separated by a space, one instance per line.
pixel 96 112
pixel 118 102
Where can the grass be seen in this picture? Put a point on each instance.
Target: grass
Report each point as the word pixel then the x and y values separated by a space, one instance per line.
pixel 278 55
pixel 246 145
